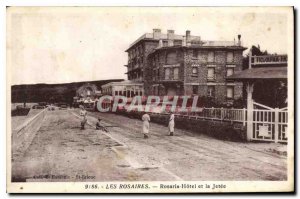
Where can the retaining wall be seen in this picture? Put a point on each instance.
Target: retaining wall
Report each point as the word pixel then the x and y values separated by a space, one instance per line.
pixel 23 135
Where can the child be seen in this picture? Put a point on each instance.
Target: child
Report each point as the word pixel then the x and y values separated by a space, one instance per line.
pixel 99 126
pixel 83 114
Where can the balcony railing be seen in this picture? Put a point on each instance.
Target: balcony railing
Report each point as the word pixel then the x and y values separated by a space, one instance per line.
pixel 211 78
pixel 170 79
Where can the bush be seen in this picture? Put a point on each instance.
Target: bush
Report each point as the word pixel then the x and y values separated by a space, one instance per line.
pixel 20 112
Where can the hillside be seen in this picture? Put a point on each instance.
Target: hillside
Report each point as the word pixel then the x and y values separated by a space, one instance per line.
pixel 50 92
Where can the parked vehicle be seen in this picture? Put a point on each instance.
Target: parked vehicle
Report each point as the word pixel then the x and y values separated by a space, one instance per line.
pixel 63 106
pixel 38 107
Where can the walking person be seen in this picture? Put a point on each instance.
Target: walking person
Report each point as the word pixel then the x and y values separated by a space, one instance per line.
pixel 83 114
pixel 171 124
pixel 146 120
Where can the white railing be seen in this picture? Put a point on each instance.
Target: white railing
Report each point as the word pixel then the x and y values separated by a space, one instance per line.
pixel 220 114
pixel 214 114
pixel 270 125
pixel 282 125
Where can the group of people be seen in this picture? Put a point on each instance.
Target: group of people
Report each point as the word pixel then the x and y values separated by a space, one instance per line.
pixel 83 114
pixel 145 119
pixel 146 124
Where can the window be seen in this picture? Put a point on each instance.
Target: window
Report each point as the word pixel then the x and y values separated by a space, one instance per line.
pixel 195 53
pixel 116 93
pixel 195 71
pixel 211 91
pixel 153 75
pixel 211 74
pixel 177 42
pixel 195 89
pixel 229 57
pixel 171 58
pixel 120 93
pixel 211 56
pixel 176 73
pixel 229 71
pixel 165 43
pixel 230 92
pixel 167 73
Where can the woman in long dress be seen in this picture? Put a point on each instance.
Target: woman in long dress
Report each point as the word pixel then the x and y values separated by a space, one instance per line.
pixel 171 124
pixel 146 120
pixel 83 115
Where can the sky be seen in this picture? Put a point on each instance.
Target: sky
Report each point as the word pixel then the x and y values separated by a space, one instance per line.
pixel 60 45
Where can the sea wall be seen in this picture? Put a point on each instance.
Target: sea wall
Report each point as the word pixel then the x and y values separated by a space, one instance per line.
pixel 23 135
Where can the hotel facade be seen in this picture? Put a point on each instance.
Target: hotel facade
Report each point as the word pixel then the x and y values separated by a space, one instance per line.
pixel 170 64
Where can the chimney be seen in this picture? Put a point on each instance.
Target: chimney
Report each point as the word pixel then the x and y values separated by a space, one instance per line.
pixel 184 41
pixel 239 40
pixel 160 43
pixel 156 33
pixel 170 36
pixel 188 37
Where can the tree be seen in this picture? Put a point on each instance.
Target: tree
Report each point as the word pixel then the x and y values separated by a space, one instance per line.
pixel 255 52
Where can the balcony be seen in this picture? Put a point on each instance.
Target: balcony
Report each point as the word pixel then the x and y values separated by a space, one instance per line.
pixel 133 70
pixel 211 78
pixel 170 79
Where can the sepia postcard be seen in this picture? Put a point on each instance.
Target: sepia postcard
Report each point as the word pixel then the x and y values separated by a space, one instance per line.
pixel 150 99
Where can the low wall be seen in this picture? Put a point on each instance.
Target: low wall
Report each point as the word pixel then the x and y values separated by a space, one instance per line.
pixel 219 129
pixel 23 135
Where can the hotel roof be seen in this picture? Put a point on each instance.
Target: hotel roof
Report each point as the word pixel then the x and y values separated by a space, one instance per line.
pixel 149 36
pixel 270 72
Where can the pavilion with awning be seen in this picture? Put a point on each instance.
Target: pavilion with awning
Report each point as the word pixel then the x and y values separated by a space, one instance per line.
pixel 265 72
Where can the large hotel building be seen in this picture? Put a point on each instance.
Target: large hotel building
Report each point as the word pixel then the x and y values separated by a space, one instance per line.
pixel 171 64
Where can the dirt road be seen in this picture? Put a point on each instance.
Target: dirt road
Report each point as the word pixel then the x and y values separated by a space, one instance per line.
pixel 63 152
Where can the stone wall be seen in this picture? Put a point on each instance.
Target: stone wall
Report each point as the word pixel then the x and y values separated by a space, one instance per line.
pixel 188 59
pixel 200 79
pixel 217 129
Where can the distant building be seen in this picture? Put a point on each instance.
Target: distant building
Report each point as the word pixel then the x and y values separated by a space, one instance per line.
pixel 87 94
pixel 125 88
